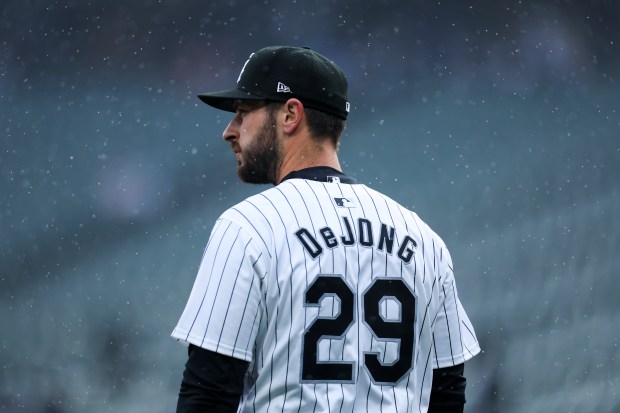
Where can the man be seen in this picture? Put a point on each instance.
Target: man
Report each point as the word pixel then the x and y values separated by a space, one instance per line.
pixel 319 294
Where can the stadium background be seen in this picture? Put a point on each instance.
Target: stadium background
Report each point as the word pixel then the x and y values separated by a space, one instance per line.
pixel 497 121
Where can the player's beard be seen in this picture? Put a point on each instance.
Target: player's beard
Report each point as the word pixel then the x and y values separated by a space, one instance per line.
pixel 262 157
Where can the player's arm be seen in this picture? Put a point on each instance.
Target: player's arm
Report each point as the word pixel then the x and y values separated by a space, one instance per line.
pixel 448 391
pixel 211 382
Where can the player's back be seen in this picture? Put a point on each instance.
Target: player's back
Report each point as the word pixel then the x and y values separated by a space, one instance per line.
pixel 353 286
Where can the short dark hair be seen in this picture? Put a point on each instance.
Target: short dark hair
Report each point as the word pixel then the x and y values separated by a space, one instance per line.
pixel 320 124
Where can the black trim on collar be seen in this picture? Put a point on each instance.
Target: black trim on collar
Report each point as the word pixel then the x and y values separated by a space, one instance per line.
pixel 321 174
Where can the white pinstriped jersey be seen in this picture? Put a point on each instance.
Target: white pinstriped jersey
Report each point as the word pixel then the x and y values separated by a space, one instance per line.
pixel 341 299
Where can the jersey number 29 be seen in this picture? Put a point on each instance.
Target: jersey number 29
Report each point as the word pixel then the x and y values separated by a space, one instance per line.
pixel 401 330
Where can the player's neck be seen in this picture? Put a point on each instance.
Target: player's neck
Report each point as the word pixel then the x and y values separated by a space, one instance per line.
pixel 307 156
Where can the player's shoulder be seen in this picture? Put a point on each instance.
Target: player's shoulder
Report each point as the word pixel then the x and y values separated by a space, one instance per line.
pixel 412 217
pixel 253 210
pixel 272 206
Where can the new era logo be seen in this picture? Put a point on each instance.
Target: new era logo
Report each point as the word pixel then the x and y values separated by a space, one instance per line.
pixel 344 203
pixel 282 88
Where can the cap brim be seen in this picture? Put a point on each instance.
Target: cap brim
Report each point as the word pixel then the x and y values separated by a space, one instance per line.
pixel 225 100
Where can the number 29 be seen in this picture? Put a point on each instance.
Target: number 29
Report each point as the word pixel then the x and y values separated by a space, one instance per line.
pixel 402 330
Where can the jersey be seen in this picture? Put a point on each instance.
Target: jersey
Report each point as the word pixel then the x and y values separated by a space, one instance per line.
pixel 340 298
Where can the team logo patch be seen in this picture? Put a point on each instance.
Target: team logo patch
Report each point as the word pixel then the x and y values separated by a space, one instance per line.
pixel 282 88
pixel 344 203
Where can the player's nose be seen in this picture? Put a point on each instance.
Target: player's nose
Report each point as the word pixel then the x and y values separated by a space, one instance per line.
pixel 231 133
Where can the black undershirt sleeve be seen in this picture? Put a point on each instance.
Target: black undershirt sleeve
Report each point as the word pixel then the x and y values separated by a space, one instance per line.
pixel 211 382
pixel 448 391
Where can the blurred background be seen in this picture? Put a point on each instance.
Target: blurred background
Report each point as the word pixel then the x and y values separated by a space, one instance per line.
pixel 496 121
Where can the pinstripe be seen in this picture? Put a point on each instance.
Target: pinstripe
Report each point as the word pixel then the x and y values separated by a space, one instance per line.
pixel 435 346
pixel 337 219
pixel 301 398
pixel 312 223
pixel 367 397
pixel 372 254
pixel 267 220
pixel 277 312
pixel 245 307
pixel 385 272
pixel 428 304
pixel 216 227
pixel 315 399
pixel 324 187
pixel 218 287
pixel 415 262
pixel 422 241
pixel 329 407
pixel 434 257
pixel 387 207
pixel 470 331
pixel 314 228
pixel 441 262
pixel 408 394
pixel 428 358
pixel 205 294
pixel 448 326
pixel 275 257
pixel 249 221
pixel 249 343
pixel 357 284
pixel 291 289
pixel 359 275
pixel 458 318
pixel 385 344
pixel 415 272
pixel 357 291
pixel 231 293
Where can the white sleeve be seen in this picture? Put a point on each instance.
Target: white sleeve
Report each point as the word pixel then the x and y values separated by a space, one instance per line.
pixel 224 308
pixel 454 338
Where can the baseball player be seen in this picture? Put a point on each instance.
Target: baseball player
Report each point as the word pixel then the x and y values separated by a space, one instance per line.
pixel 319 294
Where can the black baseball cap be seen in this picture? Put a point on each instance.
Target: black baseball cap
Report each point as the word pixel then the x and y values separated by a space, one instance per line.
pixel 278 73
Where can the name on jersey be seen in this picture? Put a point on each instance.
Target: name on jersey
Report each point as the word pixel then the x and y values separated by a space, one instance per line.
pixel 357 233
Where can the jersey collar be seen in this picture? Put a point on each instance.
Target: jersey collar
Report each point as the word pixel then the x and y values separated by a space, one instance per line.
pixel 321 174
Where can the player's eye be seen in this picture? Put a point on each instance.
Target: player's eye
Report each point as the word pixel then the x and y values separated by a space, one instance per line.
pixel 247 107
pixel 239 113
pixel 242 111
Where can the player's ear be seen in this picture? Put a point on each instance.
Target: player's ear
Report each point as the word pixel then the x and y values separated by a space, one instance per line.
pixel 293 115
